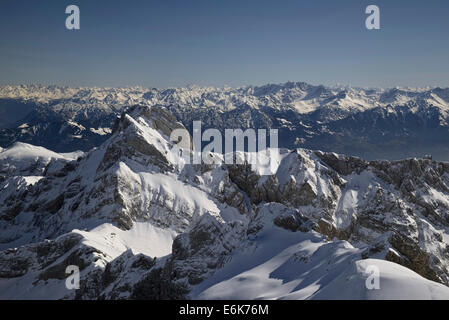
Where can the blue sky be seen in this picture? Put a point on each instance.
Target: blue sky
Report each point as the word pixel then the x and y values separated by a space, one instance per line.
pixel 169 43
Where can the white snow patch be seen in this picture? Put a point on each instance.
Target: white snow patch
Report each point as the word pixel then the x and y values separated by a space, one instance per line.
pixel 31 180
pixel 101 131
pixel 143 238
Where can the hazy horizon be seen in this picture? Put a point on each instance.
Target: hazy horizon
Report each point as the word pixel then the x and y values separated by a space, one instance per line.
pixel 336 86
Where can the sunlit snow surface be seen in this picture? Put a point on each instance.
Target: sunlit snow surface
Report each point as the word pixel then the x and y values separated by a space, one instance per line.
pixel 142 238
pixel 286 265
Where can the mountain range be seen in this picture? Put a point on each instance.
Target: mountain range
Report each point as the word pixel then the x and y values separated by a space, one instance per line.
pixel 140 223
pixel 374 124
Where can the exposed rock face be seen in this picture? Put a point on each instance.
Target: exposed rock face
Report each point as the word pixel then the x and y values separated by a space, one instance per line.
pixel 208 216
pixel 204 249
pixel 402 203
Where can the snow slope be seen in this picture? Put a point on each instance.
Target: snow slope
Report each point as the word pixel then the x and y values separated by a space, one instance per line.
pixel 280 264
pixel 26 153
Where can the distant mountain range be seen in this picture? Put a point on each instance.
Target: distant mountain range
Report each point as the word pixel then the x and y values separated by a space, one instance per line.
pixel 372 123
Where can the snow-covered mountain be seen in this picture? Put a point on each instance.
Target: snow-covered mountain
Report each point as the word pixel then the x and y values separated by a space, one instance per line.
pixel 371 123
pixel 142 224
